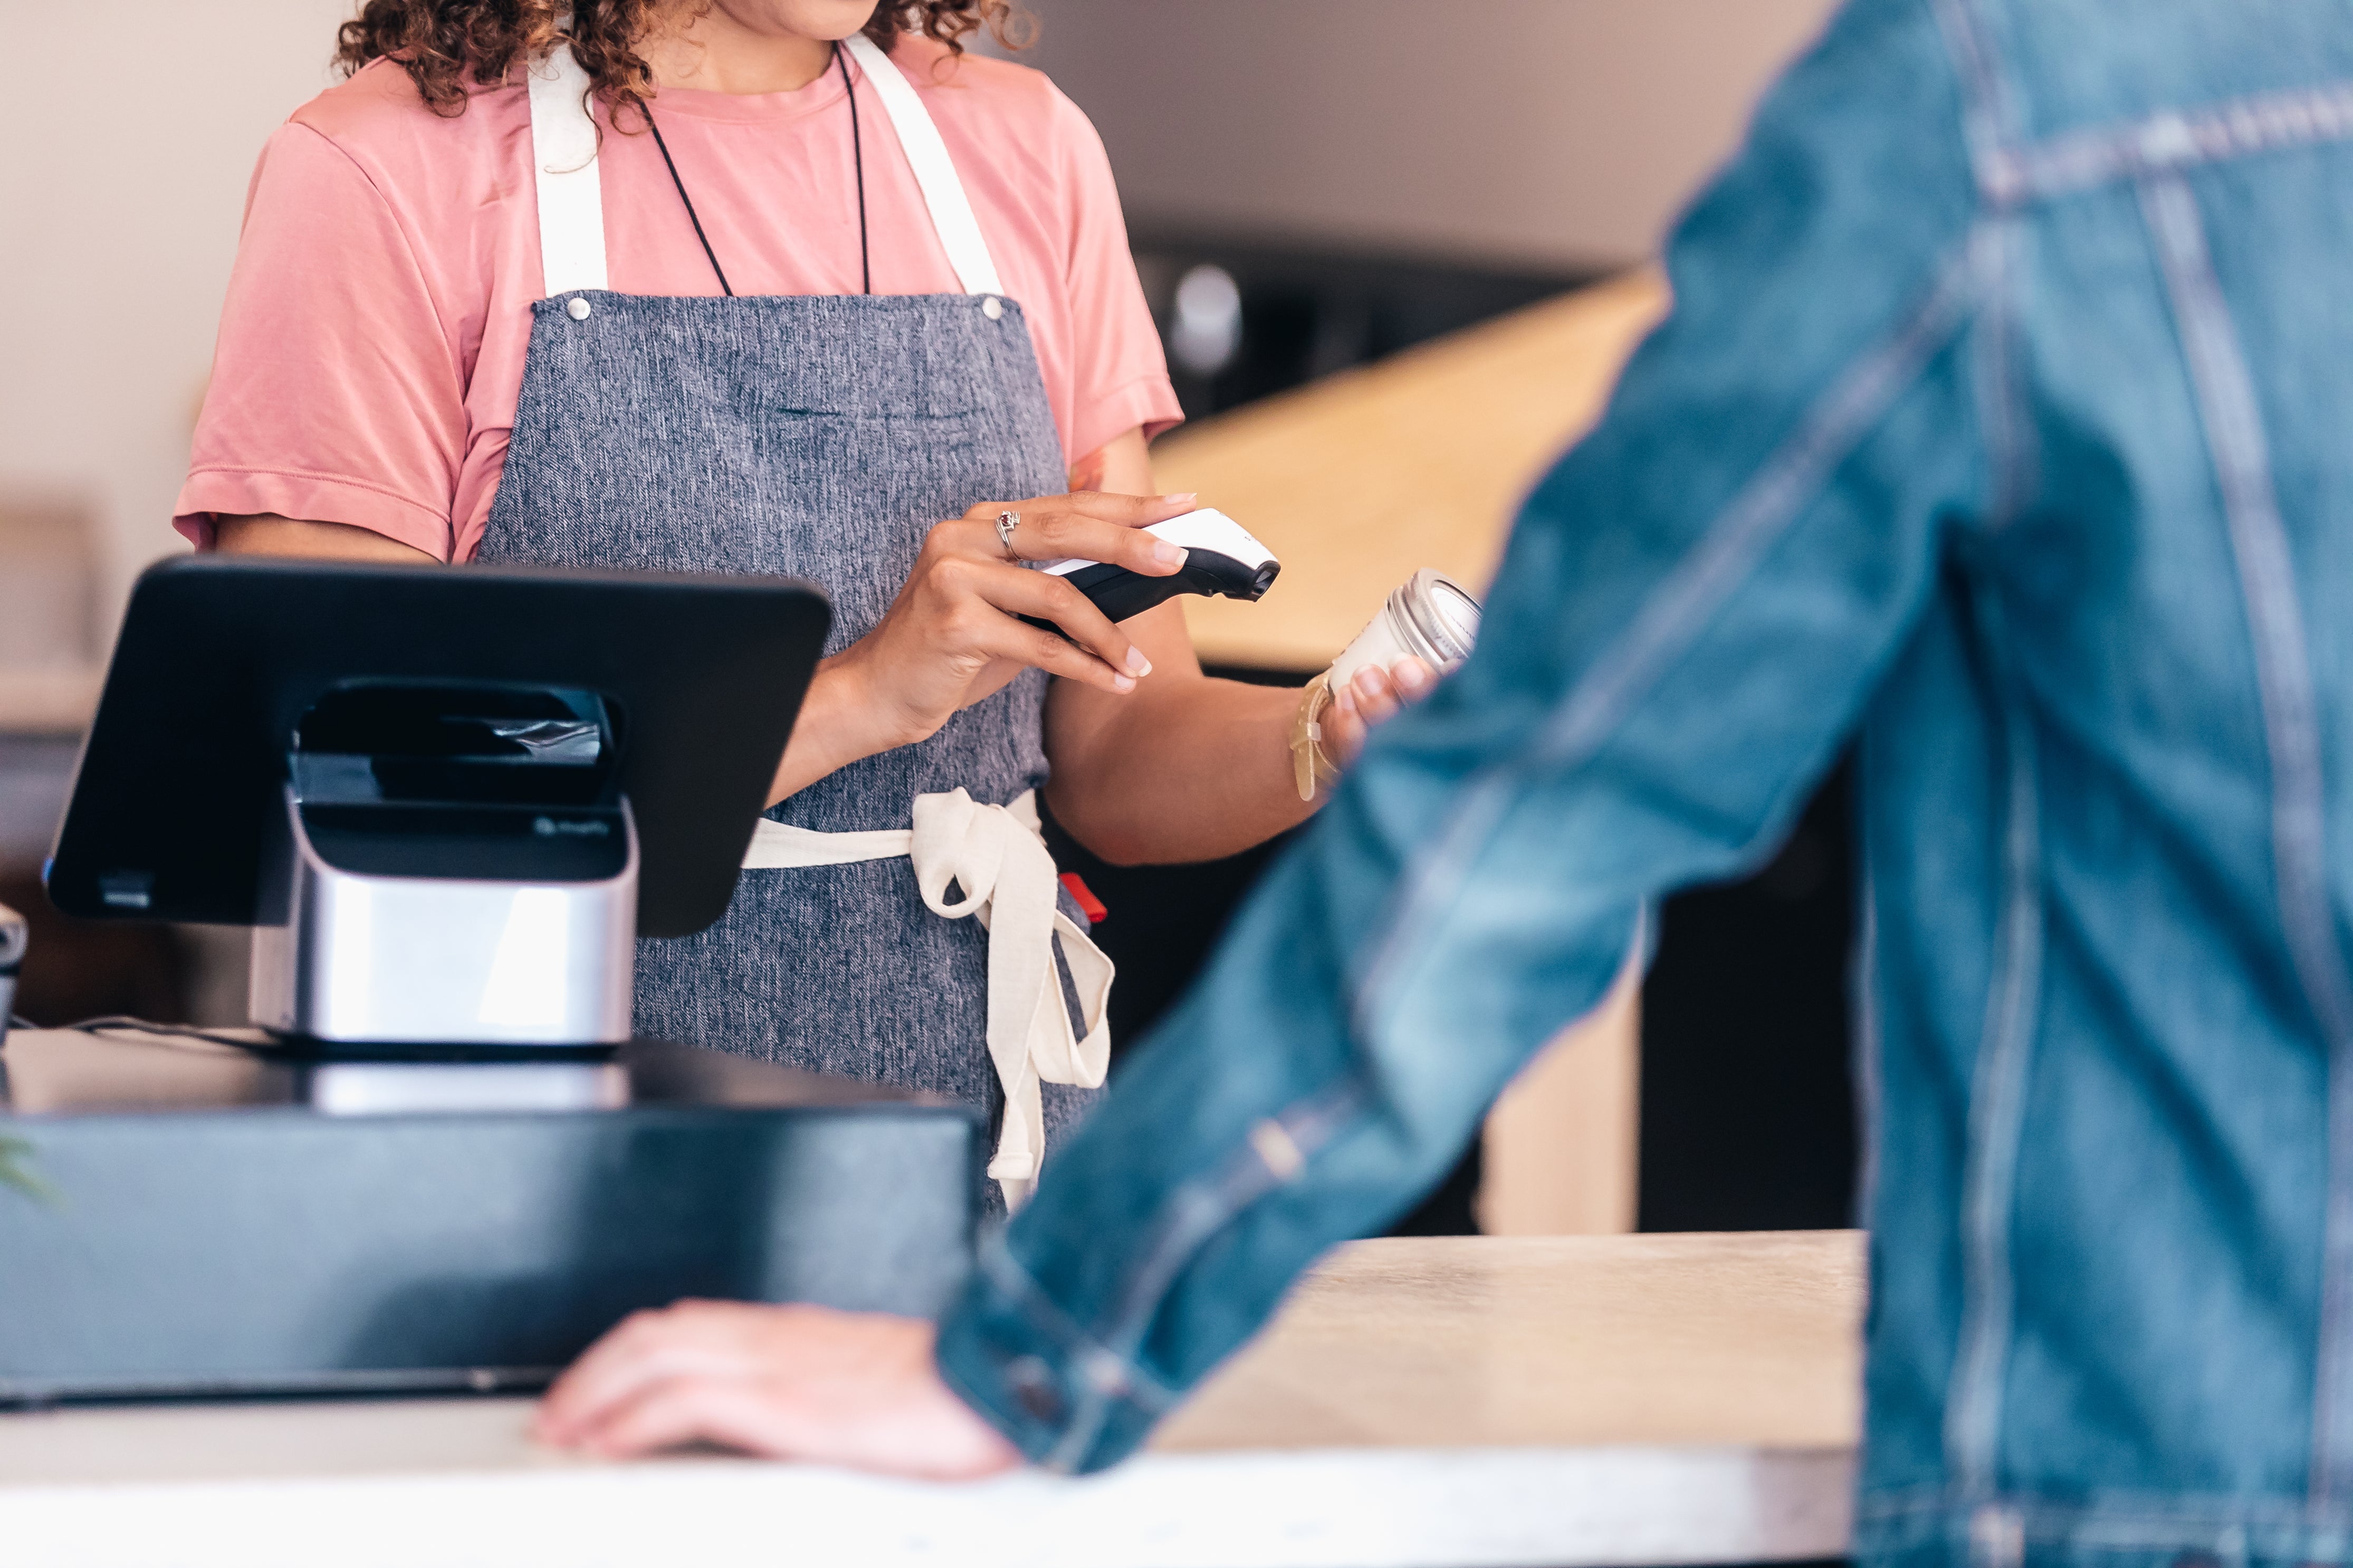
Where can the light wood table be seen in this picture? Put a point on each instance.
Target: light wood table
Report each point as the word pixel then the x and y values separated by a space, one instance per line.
pixel 1656 1399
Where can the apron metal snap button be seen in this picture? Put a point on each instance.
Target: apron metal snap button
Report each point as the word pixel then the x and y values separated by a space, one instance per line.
pixel 992 307
pixel 576 308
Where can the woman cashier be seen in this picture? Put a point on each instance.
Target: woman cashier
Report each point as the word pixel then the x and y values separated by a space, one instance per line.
pixel 774 286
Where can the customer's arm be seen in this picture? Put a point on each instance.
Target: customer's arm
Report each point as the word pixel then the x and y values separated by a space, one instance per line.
pixel 1695 607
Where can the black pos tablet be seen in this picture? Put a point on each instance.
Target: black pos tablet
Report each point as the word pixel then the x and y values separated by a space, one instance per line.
pixel 447 803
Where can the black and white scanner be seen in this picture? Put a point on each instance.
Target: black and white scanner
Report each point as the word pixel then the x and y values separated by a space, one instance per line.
pixel 1221 561
pixel 448 803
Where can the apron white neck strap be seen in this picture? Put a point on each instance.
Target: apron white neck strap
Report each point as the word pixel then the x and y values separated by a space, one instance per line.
pixel 572 204
pixel 563 168
pixel 927 156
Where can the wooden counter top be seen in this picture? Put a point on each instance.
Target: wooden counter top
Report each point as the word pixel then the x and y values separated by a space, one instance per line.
pixel 1362 478
pixel 1746 1339
pixel 1647 1399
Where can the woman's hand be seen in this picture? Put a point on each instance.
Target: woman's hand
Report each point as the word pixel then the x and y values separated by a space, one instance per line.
pixel 787 1383
pixel 951 637
pixel 1374 696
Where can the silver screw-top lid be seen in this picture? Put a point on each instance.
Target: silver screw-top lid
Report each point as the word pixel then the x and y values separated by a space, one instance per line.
pixel 1442 614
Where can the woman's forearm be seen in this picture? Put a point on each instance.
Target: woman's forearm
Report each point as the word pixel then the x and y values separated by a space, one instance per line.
pixel 1201 773
pixel 829 734
pixel 1184 767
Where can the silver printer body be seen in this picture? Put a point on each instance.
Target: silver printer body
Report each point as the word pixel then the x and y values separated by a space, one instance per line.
pixel 454 866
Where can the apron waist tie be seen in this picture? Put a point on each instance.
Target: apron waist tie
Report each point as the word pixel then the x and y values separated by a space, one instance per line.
pixel 997 857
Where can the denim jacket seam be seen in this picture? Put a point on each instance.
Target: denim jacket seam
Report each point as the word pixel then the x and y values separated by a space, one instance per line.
pixel 1196 1211
pixel 2231 420
pixel 2171 141
pixel 2013 458
pixel 1989 129
pixel 1245 1175
pixel 2166 1520
pixel 1988 105
pixel 1047 1319
pixel 1996 1103
pixel 1702 583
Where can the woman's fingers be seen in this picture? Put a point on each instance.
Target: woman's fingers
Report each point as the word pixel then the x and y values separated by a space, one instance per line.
pixel 1087 525
pixel 1020 592
pixel 1373 696
pixel 1052 652
pixel 1129 511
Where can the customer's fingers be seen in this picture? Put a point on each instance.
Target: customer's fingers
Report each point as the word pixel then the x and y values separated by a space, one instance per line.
pixel 673 1411
pixel 851 1388
pixel 692 1338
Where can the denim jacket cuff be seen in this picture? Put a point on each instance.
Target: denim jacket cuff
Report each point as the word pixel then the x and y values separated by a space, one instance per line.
pixel 1059 1395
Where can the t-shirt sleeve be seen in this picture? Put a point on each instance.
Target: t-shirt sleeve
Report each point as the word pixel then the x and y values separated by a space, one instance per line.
pixel 336 394
pixel 1120 375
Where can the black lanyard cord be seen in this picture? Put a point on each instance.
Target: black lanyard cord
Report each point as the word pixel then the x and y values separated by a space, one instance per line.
pixel 724 286
pixel 857 165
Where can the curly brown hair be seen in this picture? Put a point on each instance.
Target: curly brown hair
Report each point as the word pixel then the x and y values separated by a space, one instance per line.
pixel 448 46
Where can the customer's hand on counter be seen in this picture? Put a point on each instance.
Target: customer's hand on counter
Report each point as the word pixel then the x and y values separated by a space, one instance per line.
pixel 856 1389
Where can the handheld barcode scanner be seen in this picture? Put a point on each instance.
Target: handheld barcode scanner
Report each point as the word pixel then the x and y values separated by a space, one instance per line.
pixel 1222 561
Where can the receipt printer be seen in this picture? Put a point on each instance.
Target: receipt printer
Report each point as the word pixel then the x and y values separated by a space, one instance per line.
pixel 448 803
pixel 454 864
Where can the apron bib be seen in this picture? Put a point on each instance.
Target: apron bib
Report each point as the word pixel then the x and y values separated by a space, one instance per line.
pixel 818 436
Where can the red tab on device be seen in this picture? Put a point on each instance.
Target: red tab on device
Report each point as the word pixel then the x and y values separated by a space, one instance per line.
pixel 1089 905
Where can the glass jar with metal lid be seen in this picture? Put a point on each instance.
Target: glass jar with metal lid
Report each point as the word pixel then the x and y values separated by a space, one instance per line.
pixel 1430 616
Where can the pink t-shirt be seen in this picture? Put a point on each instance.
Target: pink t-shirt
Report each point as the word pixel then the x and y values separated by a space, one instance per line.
pixel 372 345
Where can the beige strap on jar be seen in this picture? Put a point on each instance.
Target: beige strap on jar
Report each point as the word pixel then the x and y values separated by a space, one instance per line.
pixel 996 856
pixel 1311 766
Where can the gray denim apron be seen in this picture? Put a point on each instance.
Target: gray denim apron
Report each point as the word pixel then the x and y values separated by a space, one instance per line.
pixel 822 438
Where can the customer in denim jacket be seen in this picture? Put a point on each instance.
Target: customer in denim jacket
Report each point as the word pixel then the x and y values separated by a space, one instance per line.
pixel 2005 418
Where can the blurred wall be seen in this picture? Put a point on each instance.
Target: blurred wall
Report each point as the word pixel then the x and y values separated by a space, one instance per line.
pixel 1558 133
pixel 1553 132
pixel 134 125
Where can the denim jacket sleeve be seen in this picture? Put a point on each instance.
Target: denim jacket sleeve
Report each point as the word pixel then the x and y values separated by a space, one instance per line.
pixel 1695 607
